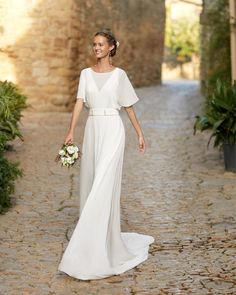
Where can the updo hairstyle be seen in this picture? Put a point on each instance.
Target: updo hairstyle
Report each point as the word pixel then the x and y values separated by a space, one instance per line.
pixel 110 38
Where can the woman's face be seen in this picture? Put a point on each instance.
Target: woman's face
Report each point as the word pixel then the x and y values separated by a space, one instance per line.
pixel 101 47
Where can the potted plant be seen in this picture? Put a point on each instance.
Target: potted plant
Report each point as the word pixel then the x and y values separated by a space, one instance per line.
pixel 220 117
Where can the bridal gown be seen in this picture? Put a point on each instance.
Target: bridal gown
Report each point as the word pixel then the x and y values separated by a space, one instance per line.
pixel 97 248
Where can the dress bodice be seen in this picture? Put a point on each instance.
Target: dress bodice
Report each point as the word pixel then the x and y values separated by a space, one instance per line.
pixel 100 78
pixel 115 91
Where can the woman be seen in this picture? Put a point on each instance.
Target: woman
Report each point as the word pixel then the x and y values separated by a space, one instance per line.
pixel 97 248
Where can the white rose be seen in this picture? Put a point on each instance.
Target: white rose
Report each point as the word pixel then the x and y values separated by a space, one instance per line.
pixel 63 159
pixel 61 152
pixel 75 156
pixel 76 149
pixel 70 149
pixel 70 161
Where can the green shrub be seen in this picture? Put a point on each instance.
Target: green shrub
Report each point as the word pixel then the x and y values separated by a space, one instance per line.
pixel 182 40
pixel 12 102
pixel 220 114
pixel 8 174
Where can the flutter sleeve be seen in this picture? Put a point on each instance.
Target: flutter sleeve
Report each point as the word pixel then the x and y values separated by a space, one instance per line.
pixel 126 93
pixel 81 93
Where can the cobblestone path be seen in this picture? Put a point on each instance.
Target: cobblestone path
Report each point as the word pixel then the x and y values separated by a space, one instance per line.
pixel 178 192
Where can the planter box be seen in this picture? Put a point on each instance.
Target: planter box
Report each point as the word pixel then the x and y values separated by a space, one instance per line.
pixel 230 157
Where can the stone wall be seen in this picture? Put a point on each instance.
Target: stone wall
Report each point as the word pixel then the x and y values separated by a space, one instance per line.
pixel 45 44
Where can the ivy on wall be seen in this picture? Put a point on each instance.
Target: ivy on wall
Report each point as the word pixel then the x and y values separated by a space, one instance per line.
pixel 215 43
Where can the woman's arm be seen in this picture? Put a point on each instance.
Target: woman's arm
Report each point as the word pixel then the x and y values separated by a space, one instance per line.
pixel 133 119
pixel 74 119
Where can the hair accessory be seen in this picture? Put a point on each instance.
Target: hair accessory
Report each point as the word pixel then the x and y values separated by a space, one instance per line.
pixel 117 43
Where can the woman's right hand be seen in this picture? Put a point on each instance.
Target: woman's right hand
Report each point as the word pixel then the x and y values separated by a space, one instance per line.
pixel 69 138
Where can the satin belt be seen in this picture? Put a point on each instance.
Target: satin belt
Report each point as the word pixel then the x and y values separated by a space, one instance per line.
pixel 103 112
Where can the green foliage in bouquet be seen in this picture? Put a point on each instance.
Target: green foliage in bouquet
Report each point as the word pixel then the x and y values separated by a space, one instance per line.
pixel 12 102
pixel 220 114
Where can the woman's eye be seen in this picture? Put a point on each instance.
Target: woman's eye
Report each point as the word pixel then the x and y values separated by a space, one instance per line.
pixel 98 44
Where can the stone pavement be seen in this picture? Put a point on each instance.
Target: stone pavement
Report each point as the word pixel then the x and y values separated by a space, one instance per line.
pixel 178 192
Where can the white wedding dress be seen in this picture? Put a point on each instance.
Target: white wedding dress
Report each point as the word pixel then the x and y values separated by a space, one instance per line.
pixel 97 247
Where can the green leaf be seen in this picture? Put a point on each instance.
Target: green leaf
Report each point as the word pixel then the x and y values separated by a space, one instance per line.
pixel 217 124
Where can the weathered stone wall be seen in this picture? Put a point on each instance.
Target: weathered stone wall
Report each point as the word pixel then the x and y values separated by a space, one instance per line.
pixel 45 44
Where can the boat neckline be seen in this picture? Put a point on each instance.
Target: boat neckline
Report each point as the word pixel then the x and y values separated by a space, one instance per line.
pixel 103 72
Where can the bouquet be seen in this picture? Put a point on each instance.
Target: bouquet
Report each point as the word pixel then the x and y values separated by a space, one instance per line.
pixel 68 154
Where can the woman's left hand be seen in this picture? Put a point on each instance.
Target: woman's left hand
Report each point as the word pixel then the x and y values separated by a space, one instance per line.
pixel 142 145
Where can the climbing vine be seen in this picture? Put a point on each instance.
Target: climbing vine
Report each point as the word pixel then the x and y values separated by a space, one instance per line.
pixel 215 51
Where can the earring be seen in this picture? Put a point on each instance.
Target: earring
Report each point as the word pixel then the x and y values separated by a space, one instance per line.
pixel 110 59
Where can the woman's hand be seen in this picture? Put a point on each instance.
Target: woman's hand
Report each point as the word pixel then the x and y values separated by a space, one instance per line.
pixel 69 138
pixel 142 145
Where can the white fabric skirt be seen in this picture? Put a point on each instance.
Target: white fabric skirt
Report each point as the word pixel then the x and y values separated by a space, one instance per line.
pixel 97 248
